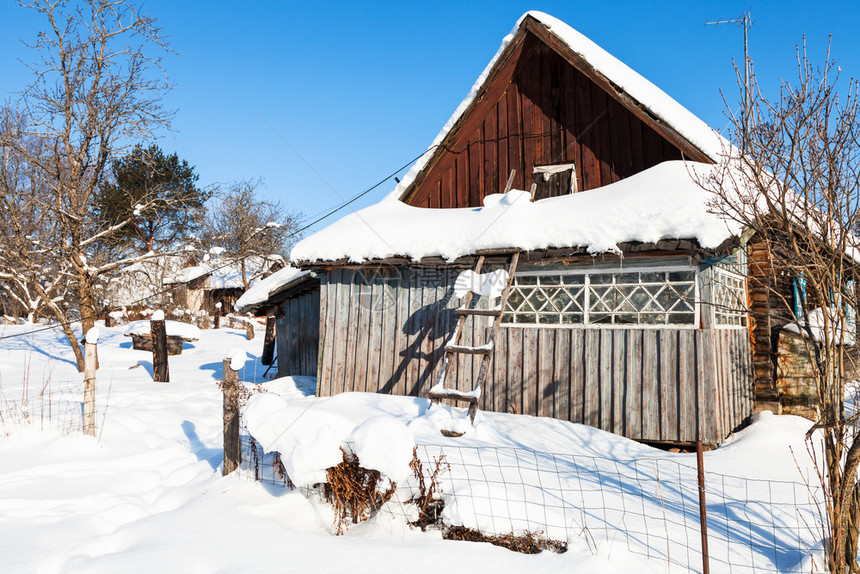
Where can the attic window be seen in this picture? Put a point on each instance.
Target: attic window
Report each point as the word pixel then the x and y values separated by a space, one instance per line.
pixel 554 180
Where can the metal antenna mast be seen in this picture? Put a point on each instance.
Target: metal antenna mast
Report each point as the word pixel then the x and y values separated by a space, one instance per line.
pixel 742 20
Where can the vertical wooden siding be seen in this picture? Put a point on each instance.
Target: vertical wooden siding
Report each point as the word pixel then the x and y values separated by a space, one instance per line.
pixel 549 112
pixel 673 385
pixel 297 334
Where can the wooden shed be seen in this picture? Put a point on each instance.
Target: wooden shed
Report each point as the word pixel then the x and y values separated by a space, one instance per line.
pixel 292 297
pixel 628 310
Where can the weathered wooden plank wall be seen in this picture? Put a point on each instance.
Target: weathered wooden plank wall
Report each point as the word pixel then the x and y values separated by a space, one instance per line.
pixel 297 334
pixel 548 112
pixel 673 385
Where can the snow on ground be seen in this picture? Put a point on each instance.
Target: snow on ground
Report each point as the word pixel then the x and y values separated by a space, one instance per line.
pixel 146 494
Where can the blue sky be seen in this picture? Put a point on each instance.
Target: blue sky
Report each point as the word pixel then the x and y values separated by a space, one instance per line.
pixel 360 88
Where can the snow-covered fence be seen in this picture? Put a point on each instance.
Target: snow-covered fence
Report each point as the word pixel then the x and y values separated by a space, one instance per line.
pixel 647 506
pixel 53 405
pixel 650 506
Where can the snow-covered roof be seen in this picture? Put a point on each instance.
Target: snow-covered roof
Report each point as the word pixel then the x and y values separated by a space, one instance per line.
pixel 649 96
pixel 265 288
pixel 223 275
pixel 662 202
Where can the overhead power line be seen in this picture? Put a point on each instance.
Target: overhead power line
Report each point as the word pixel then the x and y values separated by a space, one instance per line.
pixel 326 215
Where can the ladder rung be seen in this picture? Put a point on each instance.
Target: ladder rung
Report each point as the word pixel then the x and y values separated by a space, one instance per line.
pixel 480 312
pixel 482 350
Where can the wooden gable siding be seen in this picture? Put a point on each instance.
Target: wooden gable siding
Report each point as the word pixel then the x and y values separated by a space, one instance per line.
pixel 297 335
pixel 539 109
pixel 386 333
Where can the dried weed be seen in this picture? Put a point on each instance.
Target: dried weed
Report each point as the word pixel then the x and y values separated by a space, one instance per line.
pixel 525 543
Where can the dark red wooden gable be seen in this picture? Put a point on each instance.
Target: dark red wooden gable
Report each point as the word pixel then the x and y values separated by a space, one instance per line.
pixel 542 104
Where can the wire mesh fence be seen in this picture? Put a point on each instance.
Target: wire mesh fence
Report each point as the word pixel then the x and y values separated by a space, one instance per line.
pixel 651 506
pixel 55 405
pixel 262 466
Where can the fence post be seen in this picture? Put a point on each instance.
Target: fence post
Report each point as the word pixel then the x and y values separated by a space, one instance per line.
pixel 158 332
pixel 269 342
pixel 703 517
pixel 249 328
pixel 218 315
pixel 231 418
pixel 90 366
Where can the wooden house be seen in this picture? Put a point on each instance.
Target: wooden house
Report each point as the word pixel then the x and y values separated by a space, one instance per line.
pixel 628 309
pixel 201 287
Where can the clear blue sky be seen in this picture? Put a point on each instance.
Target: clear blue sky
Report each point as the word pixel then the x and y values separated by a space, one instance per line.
pixel 359 88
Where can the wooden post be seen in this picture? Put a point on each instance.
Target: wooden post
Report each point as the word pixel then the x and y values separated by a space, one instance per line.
pixel 231 418
pixel 269 342
pixel 249 328
pixel 703 517
pixel 217 315
pixel 158 331
pixel 90 367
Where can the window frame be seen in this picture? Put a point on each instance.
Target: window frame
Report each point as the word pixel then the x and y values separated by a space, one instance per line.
pixel 743 280
pixel 586 273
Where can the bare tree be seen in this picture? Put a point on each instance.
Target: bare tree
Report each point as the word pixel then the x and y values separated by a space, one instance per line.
pixel 796 185
pixel 245 226
pixel 96 89
pixel 28 274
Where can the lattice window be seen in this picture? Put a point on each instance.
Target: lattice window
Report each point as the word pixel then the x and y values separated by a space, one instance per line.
pixel 664 297
pixel 729 299
pixel 546 299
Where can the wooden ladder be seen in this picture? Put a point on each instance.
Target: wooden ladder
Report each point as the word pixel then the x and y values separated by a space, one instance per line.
pixel 452 347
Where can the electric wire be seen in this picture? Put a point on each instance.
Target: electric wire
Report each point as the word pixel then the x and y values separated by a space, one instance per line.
pixel 230 262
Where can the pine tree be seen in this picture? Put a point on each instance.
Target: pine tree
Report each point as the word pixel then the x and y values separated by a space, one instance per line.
pixel 159 193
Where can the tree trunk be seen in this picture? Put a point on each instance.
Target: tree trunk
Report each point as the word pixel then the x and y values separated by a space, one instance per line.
pixel 73 341
pixel 853 529
pixel 87 302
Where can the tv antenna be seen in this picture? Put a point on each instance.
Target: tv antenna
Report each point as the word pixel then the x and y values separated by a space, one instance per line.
pixel 745 21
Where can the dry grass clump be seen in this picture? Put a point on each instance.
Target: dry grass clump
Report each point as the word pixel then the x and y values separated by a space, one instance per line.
pixel 280 472
pixel 429 505
pixel 525 543
pixel 354 492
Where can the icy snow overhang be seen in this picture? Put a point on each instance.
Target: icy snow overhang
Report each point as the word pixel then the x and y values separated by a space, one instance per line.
pixel 663 202
pixel 634 88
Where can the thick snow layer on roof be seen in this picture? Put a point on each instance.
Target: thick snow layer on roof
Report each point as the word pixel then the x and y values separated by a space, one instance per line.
pixel 655 100
pixel 173 328
pixel 260 291
pixel 663 202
